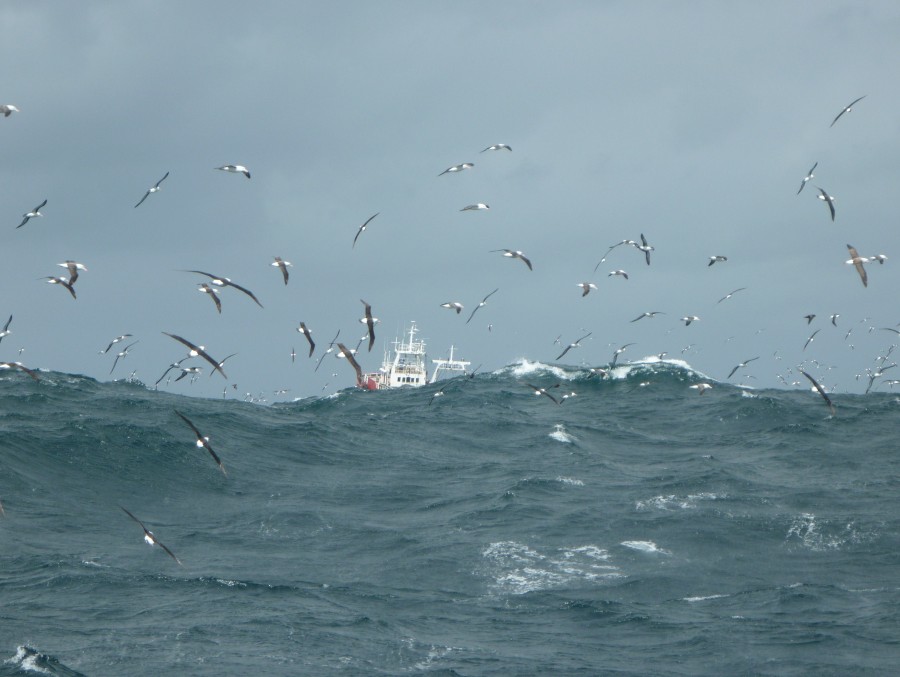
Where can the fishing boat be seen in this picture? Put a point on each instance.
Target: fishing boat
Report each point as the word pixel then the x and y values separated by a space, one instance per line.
pixel 405 365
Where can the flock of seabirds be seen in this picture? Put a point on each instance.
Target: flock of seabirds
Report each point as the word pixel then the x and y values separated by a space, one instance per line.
pixel 215 284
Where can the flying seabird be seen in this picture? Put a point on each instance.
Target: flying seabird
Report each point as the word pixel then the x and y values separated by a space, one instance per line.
pixel 435 395
pixel 701 387
pixel 457 168
pixel 808 176
pixel 730 294
pixel 858 262
pixel 8 109
pixel 303 330
pixel 821 391
pixel 328 350
pixel 363 227
pixel 618 272
pixel 577 344
pixel 716 259
pixel 196 351
pixel 344 352
pixel 618 244
pixel 498 146
pixel 453 305
pixel 151 539
pixel 235 169
pixel 618 352
pixel 834 318
pixel 281 263
pixel 370 323
pixel 810 318
pixel 225 282
pixel 73 267
pixel 213 294
pixel 203 442
pixel 586 288
pixel 543 391
pixel 483 302
pixel 114 342
pixel 811 338
pixel 847 109
pixel 18 365
pixel 644 247
pixel 6 331
pixel 687 319
pixel 881 258
pixel 515 255
pixel 122 353
pixel 742 364
pixel 64 282
pixel 475 207
pixel 32 214
pixel 828 199
pixel 652 313
pixel 151 190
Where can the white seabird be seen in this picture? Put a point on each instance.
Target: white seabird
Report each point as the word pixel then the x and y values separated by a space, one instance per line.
pixel 515 254
pixel 152 190
pixel 475 207
pixel 586 288
pixel 34 213
pixel 498 146
pixel 283 265
pixel 8 109
pixel 457 168
pixel 453 305
pixel 808 176
pixel 481 303
pixel 847 109
pixel 857 261
pixel 829 200
pixel 235 169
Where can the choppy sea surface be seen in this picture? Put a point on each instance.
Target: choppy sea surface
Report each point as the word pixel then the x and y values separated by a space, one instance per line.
pixel 639 528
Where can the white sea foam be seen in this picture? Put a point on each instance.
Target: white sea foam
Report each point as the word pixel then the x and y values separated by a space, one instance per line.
pixel 819 535
pixel 560 435
pixel 525 367
pixel 702 598
pixel 645 546
pixel 27 659
pixel 673 502
pixel 570 480
pixel 518 569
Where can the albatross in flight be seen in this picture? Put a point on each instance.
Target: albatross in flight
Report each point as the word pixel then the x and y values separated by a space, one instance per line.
pixel 829 200
pixel 226 282
pixel 235 169
pixel 203 442
pixel 283 265
pixel 457 168
pixel 370 323
pixel 482 303
pixel 847 109
pixel 857 261
pixel 151 539
pixel 198 351
pixel 152 190
pixel 363 227
pixel 515 254
pixel 808 176
pixel 34 213
pixel 8 109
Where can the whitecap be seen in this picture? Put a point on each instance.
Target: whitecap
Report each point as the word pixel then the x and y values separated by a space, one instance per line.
pixel 570 480
pixel 560 435
pixel 645 546
pixel 702 598
pixel 525 367
pixel 673 502
pixel 518 569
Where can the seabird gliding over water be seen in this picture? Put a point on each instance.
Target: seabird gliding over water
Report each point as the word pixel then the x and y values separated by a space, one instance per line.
pixel 303 330
pixel 64 282
pixel 6 331
pixel 716 259
pixel 577 344
pixel 741 365
pixel 453 305
pixel 225 282
pixel 515 255
pixel 821 391
pixel 18 365
pixel 152 190
pixel 586 287
pixel 847 109
pixel 829 200
pixel 235 169
pixel 498 146
pixel 345 352
pixel 370 323
pixel 203 442
pixel 199 351
pixel 213 294
pixel 73 267
pixel 151 539
pixel 457 168
pixel 363 227
pixel 482 303
pixel 32 214
pixel 808 176
pixel 283 265
pixel 857 261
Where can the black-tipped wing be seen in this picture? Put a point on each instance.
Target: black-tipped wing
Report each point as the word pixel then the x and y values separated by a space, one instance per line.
pixel 363 227
pixel 821 391
pixel 370 323
pixel 148 535
pixel 203 442
pixel 309 338
pixel 202 353
pixel 352 360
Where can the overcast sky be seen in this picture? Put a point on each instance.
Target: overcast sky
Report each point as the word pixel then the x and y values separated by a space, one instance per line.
pixel 692 123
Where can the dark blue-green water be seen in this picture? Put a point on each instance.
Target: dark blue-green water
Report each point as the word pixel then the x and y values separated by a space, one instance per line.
pixel 637 529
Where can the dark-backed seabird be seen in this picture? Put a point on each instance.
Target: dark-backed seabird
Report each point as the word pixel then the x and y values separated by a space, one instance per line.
pixel 730 294
pixel 821 391
pixel 645 247
pixel 652 313
pixel 152 190
pixel 8 109
pixel 742 365
pixel 306 333
pixel 687 319
pixel 370 323
pixel 457 168
pixel 857 261
pixel 363 227
pixel 586 287
pixel 620 273
pixel 34 213
pixel 196 351
pixel 701 387
pixel 114 342
pixel 6 331
pixel 64 282
pixel 213 294
pixel 618 244
pixel 829 200
pixel 235 169
pixel 151 539
pixel 18 365
pixel 577 344
pixel 226 282
pixel 453 305
pixel 345 352
pixel 808 176
pixel 716 259
pixel 847 109
pixel 203 442
pixel 481 303
pixel 283 265
pixel 498 146
pixel 543 391
pixel 328 350
pixel 809 318
pixel 73 267
pixel 811 338
pixel 834 318
pixel 515 254
pixel 618 352
pixel 475 207
pixel 122 353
